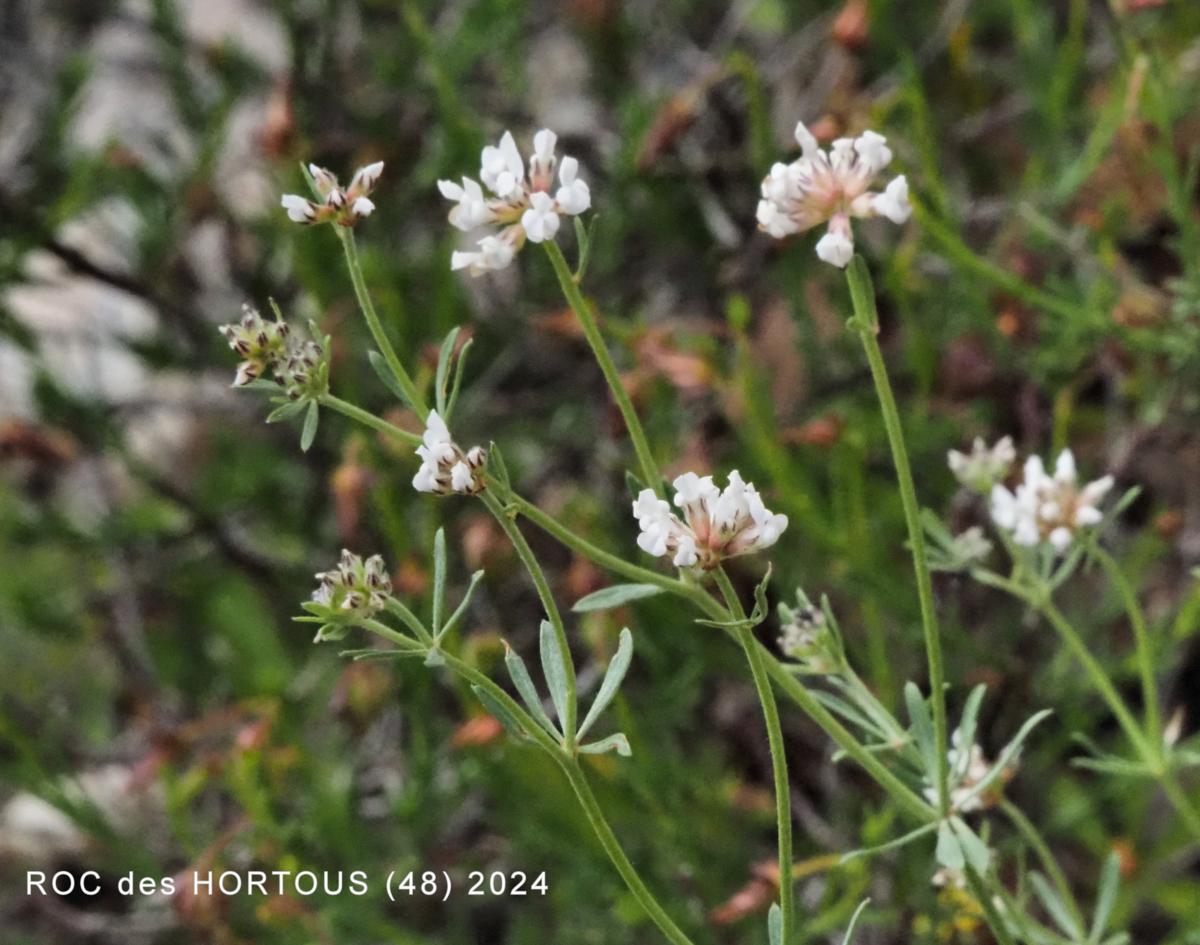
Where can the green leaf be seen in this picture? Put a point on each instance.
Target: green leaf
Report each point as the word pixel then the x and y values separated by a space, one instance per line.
pixel 552 668
pixel 618 743
pixel 289 409
pixel 527 690
pixel 609 597
pixel 439 580
pixel 949 854
pixel 970 716
pixel 854 921
pixel 1054 907
pixel 461 610
pixel 309 433
pixel 891 844
pixel 441 378
pixel 500 711
pixel 613 676
pixel 459 364
pixel 1106 896
pixel 918 713
pixel 1006 757
pixel 497 469
pixel 976 850
pixel 379 655
pixel 775 925
pixel 380 366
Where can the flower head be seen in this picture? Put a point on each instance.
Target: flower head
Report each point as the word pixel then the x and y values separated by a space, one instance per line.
pixel 716 524
pixel 831 187
pixel 445 468
pixel 984 466
pixel 261 344
pixel 299 365
pixel 807 637
pixel 1049 509
pixel 525 205
pixel 336 205
pixel 355 588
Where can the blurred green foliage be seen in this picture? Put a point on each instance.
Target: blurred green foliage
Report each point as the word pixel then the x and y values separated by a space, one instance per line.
pixel 1049 287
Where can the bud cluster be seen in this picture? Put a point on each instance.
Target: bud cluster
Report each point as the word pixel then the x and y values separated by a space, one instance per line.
pixel 984 466
pixel 299 365
pixel 336 205
pixel 355 588
pixel 807 638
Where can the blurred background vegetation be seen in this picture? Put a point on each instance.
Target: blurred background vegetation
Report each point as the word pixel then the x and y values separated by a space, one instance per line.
pixel 160 712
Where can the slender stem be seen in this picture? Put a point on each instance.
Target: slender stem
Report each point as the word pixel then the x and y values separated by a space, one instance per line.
pixel 538 576
pixel 612 846
pixel 783 790
pixel 648 467
pixel 411 394
pixel 368 419
pixel 1033 837
pixel 1145 655
pixel 867 322
pixel 994 920
pixel 960 253
pixel 1100 681
pixel 612 562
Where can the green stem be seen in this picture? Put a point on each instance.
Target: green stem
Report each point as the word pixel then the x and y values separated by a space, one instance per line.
pixel 538 576
pixel 411 394
pixel 993 918
pixel 368 419
pixel 1035 840
pixel 862 294
pixel 1145 655
pixel 579 305
pixel 959 252
pixel 1100 681
pixel 612 846
pixel 783 790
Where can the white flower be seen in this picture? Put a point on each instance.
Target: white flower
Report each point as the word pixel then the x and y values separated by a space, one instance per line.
pixel 445 468
pixel 967 768
pixel 573 196
pixel 983 467
pixel 1049 509
pixel 524 207
pixel 716 524
pixel 345 207
pixel 831 187
pixel 540 221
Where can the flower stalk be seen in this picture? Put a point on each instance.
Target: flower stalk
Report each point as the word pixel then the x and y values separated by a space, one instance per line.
pixel 647 467
pixel 866 323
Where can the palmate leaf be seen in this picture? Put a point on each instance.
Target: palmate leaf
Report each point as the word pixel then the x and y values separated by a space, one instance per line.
pixel 922 725
pixel 1106 896
pixel 1054 906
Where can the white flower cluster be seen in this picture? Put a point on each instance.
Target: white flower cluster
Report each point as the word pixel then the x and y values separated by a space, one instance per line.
pixel 354 587
pixel 831 186
pixel 345 207
pixel 445 468
pixel 716 524
pixel 984 466
pixel 967 768
pixel 1048 508
pixel 523 206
